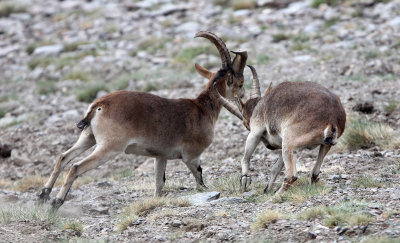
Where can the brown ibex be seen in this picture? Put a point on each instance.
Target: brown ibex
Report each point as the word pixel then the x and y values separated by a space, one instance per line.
pixel 145 124
pixel 290 116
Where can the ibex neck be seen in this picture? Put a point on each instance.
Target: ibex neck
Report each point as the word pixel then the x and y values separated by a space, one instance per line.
pixel 208 99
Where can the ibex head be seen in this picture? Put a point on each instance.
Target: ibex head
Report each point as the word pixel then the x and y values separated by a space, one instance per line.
pixel 244 110
pixel 231 71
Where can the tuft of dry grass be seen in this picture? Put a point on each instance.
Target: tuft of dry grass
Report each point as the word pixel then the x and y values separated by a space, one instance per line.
pixel 74 225
pixel 9 7
pixel 37 181
pixel 361 134
pixel 15 213
pixel 266 217
pixel 301 191
pixel 142 208
pixel 243 4
pixel 366 181
pixel 345 213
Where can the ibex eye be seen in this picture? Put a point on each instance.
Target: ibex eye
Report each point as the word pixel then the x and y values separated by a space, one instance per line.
pixel 99 109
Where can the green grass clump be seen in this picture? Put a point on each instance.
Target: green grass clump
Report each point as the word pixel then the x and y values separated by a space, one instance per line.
pixel 330 22
pixel 144 207
pixel 367 181
pixel 88 94
pixel 45 87
pixel 263 59
pixel 361 134
pixel 149 86
pixel 187 54
pixel 265 218
pixel 3 112
pixel 391 106
pixel 9 7
pixel 347 213
pixel 243 4
pixel 280 37
pixel 316 3
pixel 16 213
pixel 78 75
pixel 371 54
pixel 229 185
pixel 301 191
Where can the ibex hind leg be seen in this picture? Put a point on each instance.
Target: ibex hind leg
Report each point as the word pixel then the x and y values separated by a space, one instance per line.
pixel 85 141
pixel 100 155
pixel 323 150
pixel 276 169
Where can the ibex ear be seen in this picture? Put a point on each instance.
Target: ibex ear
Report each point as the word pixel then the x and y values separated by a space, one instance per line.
pixel 268 89
pixel 202 71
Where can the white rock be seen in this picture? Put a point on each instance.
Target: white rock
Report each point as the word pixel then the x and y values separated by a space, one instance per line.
pixel 202 198
pixel 48 50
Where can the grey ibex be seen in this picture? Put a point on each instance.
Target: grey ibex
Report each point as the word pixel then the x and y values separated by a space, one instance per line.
pixel 145 124
pixel 290 116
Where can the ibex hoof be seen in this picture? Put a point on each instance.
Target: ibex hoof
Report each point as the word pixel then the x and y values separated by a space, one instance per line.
pixel 267 190
pixel 202 188
pixel 56 203
pixel 314 178
pixel 44 195
pixel 245 182
pixel 287 182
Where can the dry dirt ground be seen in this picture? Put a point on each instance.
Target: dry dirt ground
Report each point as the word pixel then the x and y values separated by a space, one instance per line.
pixel 352 48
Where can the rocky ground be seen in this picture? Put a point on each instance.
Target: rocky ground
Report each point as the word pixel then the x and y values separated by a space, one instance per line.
pixel 57 56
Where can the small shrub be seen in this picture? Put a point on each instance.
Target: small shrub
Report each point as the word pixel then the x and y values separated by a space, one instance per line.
pixel 89 93
pixel 187 54
pixel 347 213
pixel 243 4
pixel 360 134
pixel 228 185
pixel 263 59
pixel 267 217
pixel 371 54
pixel 9 7
pixel 78 75
pixel 149 87
pixel 391 107
pixel 367 181
pixel 279 37
pixel 74 225
pixel 301 191
pixel 144 207
pixel 45 87
pixel 331 22
pixel 3 112
pixel 15 213
pixel 316 3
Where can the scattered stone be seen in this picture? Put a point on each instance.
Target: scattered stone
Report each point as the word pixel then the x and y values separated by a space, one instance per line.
pixel 202 198
pixel 311 235
pixel 5 150
pixel 366 107
pixel 229 200
pixel 176 223
pixel 51 50
pixel 104 184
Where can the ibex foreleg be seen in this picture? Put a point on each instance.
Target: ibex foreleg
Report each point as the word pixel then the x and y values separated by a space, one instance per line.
pixel 159 167
pixel 251 143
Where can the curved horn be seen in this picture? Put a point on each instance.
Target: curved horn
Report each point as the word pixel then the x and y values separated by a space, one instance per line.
pixel 255 88
pixel 239 62
pixel 223 51
pixel 229 106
